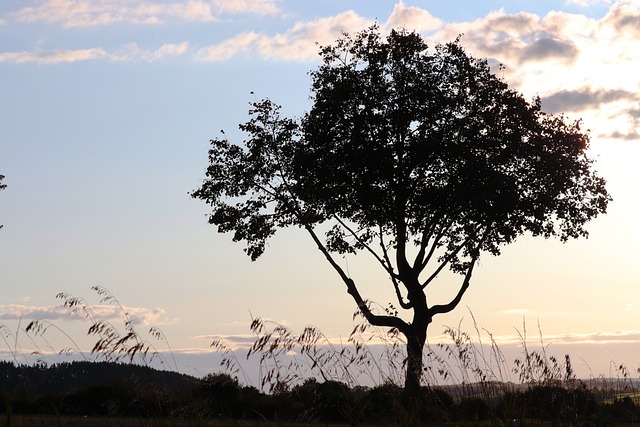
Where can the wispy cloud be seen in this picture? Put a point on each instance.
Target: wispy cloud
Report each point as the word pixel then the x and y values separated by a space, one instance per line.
pixel 138 315
pixel 589 3
pixel 518 311
pixel 130 52
pixel 299 43
pixel 53 57
pixel 260 7
pixel 234 342
pixel 92 13
pixel 598 337
pixel 573 62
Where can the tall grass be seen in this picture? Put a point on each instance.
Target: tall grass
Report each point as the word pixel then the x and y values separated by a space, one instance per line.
pixel 470 367
pixel 114 342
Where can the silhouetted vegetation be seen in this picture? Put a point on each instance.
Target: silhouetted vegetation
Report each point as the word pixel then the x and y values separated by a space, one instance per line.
pixel 2 187
pixel 420 158
pixel 125 390
pixel 305 378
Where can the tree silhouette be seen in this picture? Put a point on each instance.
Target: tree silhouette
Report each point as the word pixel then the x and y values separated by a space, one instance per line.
pixel 422 159
pixel 2 187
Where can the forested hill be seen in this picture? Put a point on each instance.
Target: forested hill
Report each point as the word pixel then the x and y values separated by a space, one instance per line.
pixel 68 377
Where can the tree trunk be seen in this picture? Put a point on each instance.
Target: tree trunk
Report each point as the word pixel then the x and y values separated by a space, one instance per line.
pixel 416 339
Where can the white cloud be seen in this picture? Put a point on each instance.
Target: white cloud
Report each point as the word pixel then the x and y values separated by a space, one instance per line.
pixel 229 48
pixel 232 342
pixel 260 7
pixel 89 13
pixel 298 43
pixel 588 3
pixel 18 311
pixel 597 337
pixel 130 52
pixel 138 315
pixel 53 57
pixel 413 18
pixel 574 62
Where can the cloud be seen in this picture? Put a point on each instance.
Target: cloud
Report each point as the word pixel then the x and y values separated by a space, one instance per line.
pixel 414 18
pixel 547 48
pixel 259 7
pixel 599 337
pixel 518 311
pixel 588 3
pixel 299 43
pixel 618 110
pixel 53 57
pixel 585 98
pixel 130 52
pixel 138 315
pixel 233 342
pixel 91 13
pixel 18 311
pixel 574 62
pixel 229 48
pixel 624 18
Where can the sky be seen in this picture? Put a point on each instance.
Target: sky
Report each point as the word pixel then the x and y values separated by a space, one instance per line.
pixel 106 111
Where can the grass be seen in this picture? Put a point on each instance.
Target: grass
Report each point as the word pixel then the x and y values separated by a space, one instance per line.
pixel 55 421
pixel 471 369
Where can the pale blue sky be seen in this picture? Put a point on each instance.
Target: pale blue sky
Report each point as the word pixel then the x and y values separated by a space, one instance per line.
pixel 107 107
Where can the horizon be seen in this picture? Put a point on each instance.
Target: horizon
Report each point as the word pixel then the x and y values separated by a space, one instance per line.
pixel 104 130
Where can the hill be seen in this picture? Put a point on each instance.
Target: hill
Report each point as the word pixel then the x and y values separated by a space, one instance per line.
pixel 63 378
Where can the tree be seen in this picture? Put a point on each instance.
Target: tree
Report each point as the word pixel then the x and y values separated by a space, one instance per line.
pixel 2 187
pixel 422 159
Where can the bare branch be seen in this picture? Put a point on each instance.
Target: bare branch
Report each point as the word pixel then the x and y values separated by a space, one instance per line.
pixel 394 280
pixel 446 308
pixel 383 262
pixel 445 262
pixel 374 319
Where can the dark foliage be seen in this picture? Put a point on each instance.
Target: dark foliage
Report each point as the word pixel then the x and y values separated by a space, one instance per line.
pixel 91 388
pixel 118 390
pixel 421 158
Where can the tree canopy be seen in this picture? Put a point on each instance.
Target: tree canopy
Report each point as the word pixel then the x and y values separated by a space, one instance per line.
pixel 422 158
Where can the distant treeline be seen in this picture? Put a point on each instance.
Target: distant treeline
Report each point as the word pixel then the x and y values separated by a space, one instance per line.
pixel 127 390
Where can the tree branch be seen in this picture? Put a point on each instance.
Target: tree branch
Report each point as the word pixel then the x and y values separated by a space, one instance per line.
pixel 424 242
pixel 383 261
pixel 394 280
pixel 446 308
pixel 374 319
pixel 445 262
pixel 440 309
